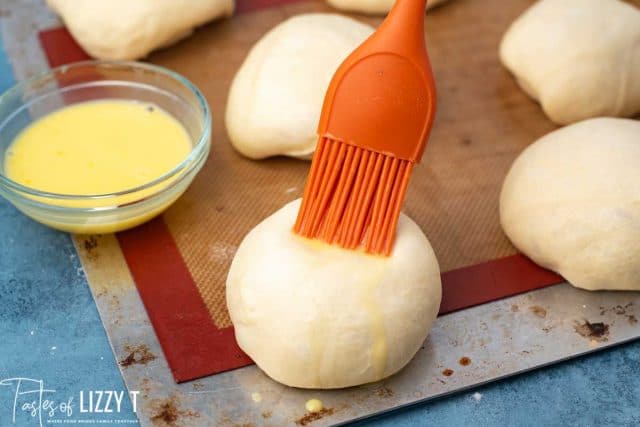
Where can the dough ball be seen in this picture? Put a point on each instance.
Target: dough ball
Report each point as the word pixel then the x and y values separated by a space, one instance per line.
pixel 578 58
pixel 376 7
pixel 131 29
pixel 318 316
pixel 276 97
pixel 571 203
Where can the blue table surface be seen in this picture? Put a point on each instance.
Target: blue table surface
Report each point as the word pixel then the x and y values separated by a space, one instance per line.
pixel 50 330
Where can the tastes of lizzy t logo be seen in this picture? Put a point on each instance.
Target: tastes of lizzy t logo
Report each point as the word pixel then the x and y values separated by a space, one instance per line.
pixel 31 397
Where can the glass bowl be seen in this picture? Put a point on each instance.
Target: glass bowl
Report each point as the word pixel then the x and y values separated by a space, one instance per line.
pixel 99 80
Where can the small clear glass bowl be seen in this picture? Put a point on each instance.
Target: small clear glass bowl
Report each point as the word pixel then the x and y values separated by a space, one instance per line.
pixel 99 80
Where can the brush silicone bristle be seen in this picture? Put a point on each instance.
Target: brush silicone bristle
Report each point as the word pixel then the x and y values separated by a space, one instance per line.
pixel 381 101
pixel 353 197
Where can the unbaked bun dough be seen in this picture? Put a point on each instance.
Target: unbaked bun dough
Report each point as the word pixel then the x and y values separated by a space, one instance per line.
pixel 318 316
pixel 571 203
pixel 131 29
pixel 578 58
pixel 376 7
pixel 276 97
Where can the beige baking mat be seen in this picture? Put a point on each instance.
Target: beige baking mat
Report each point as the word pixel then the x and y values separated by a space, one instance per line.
pixel 483 122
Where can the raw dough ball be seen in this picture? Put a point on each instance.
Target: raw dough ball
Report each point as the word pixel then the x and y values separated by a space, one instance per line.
pixel 318 316
pixel 131 29
pixel 276 97
pixel 378 7
pixel 571 202
pixel 579 58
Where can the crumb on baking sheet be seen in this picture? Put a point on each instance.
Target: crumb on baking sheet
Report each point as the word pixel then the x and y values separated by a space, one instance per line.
pixel 90 243
pixel 384 392
pixel 538 311
pixel 598 331
pixel 167 412
pixel 619 309
pixel 314 405
pixel 314 416
pixel 138 355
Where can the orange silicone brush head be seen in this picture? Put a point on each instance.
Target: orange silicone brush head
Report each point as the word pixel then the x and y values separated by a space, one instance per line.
pixel 374 126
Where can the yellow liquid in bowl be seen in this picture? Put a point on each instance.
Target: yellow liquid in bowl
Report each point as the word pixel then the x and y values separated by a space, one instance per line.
pixel 99 147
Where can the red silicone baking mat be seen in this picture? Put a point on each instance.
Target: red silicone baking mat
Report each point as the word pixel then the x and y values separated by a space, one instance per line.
pixel 179 261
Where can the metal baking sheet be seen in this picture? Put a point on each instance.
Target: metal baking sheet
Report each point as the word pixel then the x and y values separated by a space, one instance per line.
pixel 465 349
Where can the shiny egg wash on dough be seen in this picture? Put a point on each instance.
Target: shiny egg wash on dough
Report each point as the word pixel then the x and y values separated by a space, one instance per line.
pixel 376 270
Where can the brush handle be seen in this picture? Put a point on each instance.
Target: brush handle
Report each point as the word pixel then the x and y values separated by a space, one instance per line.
pixel 403 30
pixel 382 98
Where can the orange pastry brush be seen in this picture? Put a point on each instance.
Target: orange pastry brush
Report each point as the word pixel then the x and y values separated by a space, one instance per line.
pixel 375 121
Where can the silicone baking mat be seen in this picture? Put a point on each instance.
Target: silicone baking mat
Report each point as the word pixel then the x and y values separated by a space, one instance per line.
pixel 179 262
